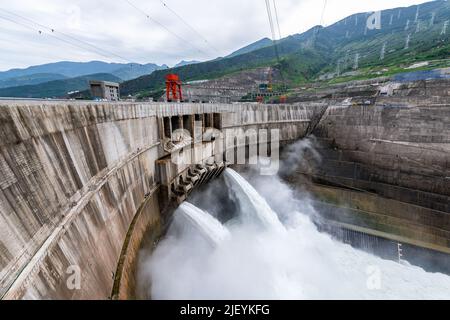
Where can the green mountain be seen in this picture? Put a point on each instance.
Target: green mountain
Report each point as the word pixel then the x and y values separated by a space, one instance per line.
pixel 30 79
pixel 72 69
pixel 57 88
pixel 266 42
pixel 407 35
pixel 346 49
pixel 215 68
pixel 134 70
pixel 186 63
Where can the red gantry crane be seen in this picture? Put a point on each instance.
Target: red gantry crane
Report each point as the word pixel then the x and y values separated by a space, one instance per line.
pixel 173 88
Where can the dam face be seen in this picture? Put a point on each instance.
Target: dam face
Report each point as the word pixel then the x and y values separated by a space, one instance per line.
pixel 83 183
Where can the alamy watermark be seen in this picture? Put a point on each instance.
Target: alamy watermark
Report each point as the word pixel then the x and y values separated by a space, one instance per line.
pixel 374 21
pixel 233 145
pixel 73 281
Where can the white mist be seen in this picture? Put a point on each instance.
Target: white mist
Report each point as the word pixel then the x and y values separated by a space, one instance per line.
pixel 264 263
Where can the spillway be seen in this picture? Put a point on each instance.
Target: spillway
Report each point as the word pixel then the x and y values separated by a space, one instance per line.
pixel 253 207
pixel 203 223
pixel 262 263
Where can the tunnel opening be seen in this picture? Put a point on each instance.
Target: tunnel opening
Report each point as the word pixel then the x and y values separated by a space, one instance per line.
pixel 217 121
pixel 188 124
pixel 176 123
pixel 208 121
pixel 167 128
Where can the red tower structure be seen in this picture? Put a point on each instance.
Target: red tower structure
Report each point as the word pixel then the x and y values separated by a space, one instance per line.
pixel 173 88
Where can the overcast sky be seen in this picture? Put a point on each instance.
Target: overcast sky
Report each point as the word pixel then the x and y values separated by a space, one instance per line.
pixel 125 34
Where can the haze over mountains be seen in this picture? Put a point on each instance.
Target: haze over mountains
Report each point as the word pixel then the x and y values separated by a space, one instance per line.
pixel 406 35
pixel 31 79
pixel 57 88
pixel 68 69
pixel 59 78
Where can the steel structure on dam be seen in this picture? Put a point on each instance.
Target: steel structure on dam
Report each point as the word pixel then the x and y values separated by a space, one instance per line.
pixel 81 183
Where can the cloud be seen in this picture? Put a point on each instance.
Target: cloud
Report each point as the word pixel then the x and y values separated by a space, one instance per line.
pixel 118 28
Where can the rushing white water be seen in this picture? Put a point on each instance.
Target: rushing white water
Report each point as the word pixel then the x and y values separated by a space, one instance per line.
pixel 211 229
pixel 263 263
pixel 253 207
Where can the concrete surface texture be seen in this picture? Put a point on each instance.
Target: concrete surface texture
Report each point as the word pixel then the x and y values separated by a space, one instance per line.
pixel 385 164
pixel 74 176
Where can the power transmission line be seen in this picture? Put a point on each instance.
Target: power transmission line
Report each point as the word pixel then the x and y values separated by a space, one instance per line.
pixel 272 29
pixel 41 32
pixel 165 28
pixel 322 15
pixel 323 12
pixel 97 49
pixel 189 26
pixel 274 41
pixel 21 24
pixel 51 55
pixel 269 14
pixel 276 17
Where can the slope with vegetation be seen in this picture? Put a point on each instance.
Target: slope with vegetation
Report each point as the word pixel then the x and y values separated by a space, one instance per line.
pixel 32 79
pixel 339 52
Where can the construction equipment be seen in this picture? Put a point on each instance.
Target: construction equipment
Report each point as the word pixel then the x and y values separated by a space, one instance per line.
pixel 173 88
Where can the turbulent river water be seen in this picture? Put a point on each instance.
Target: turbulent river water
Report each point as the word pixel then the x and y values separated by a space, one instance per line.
pixel 265 246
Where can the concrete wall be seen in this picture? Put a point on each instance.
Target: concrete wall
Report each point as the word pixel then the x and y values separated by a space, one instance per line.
pixel 148 224
pixel 404 145
pixel 73 177
pixel 386 164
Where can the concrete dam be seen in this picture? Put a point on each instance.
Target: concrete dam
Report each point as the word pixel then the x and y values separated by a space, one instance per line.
pixel 85 184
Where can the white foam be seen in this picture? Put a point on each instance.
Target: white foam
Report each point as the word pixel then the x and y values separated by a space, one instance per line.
pixel 298 263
